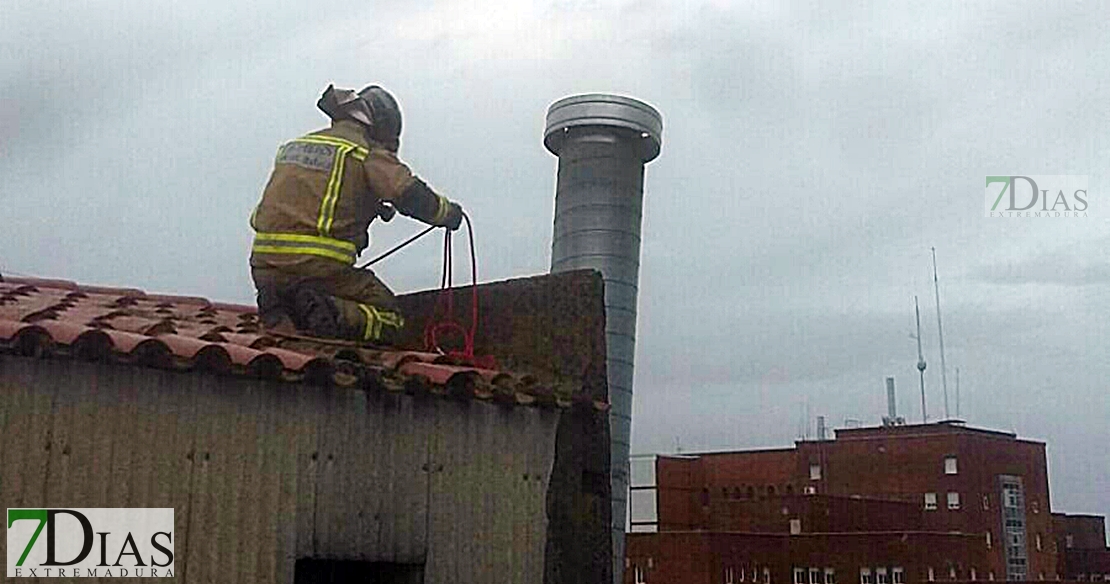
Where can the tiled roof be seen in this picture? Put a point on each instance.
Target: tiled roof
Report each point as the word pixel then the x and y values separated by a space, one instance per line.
pixel 60 318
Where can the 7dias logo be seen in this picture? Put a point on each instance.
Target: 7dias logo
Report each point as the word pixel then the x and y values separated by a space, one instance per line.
pixel 90 543
pixel 1040 196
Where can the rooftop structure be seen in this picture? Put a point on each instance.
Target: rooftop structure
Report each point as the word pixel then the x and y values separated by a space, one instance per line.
pixel 287 459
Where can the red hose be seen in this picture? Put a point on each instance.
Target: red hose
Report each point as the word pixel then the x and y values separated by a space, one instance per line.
pixel 447 299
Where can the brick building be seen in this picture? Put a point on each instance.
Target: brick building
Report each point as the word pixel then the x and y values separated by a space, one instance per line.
pixel 854 504
pixel 1083 553
pixel 715 557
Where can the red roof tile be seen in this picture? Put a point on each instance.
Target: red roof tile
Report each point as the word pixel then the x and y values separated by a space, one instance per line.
pixel 57 317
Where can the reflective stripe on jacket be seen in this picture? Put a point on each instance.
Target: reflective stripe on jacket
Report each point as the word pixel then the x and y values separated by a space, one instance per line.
pixel 324 192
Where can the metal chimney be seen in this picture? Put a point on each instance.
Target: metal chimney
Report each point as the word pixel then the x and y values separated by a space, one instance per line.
pixel 891 407
pixel 603 142
pixel 821 428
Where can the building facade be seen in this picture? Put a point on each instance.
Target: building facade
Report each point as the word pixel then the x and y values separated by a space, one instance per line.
pixel 980 497
pixel 1083 553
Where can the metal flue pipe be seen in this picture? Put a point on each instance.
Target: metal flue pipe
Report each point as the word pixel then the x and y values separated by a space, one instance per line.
pixel 603 142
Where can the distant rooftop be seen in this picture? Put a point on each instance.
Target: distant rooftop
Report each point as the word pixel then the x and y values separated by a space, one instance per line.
pixel 944 427
pixel 941 427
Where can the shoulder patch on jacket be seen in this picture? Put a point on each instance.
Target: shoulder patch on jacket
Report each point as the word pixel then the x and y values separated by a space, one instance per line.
pixel 311 156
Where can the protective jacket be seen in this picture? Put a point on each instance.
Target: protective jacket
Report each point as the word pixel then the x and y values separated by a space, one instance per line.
pixel 326 189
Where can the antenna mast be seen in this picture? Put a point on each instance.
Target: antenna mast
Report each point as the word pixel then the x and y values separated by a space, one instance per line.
pixel 940 335
pixel 920 361
pixel 957 392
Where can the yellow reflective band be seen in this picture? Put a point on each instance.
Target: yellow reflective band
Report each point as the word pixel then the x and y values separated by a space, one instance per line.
pixel 392 319
pixel 441 211
pixel 331 200
pixel 327 253
pixel 299 244
pixel 373 328
pixel 331 192
pixel 358 151
pixel 310 239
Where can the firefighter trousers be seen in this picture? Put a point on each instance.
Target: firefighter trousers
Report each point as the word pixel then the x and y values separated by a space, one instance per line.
pixel 328 299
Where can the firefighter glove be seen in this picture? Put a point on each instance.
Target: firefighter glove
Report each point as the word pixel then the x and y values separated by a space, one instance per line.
pixel 454 216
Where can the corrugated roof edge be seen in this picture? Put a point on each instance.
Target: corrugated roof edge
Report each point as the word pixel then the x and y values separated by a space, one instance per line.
pixel 411 373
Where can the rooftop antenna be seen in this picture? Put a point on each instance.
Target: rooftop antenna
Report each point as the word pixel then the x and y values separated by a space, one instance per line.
pixel 940 334
pixel 920 361
pixel 958 392
pixel 807 417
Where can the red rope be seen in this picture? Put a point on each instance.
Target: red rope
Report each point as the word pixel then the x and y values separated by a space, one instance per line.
pixel 446 299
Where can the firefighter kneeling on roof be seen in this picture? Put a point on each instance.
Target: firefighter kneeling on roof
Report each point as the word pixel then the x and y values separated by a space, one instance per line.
pixel 311 224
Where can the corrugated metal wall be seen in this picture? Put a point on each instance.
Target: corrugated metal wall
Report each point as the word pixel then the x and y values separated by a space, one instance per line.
pixel 262 473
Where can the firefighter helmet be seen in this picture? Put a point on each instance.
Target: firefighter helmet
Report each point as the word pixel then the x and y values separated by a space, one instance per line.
pixel 345 104
pixel 386 116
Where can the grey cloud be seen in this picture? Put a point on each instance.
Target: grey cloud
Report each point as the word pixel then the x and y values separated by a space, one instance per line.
pixel 813 152
pixel 1061 268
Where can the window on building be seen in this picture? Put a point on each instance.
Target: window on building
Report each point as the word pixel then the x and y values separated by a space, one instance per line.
pixel 1036 507
pixel 795 526
pixel 930 501
pixel 973 575
pixel 789 490
pixel 815 472
pixel 830 576
pixel 751 492
pixel 1096 577
pixel 953 501
pixel 1040 576
pixel 988 540
pixel 736 494
pixel 638 575
pixel 814 576
pixel 730 577
pixel 930 576
pixel 724 492
pixel 770 490
pixel 951 572
pixel 881 576
pixel 766 575
pixel 742 573
pixel 865 576
pixel 990 576
pixel 950 465
pixel 1037 538
pixel 899 575
pixel 986 503
pixel 810 490
pixel 1069 541
pixel 799 576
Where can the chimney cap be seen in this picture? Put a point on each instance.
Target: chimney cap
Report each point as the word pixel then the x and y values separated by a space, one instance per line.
pixel 602 109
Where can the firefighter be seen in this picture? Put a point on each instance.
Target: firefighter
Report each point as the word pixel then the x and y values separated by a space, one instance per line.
pixel 325 190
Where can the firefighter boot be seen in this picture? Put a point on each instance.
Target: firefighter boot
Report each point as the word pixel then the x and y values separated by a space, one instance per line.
pixel 315 313
pixel 273 314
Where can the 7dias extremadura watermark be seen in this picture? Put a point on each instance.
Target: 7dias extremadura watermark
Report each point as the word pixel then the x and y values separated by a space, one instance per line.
pixel 1037 196
pixel 90 543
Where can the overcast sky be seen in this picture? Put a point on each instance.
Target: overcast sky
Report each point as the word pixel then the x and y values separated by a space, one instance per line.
pixel 812 154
